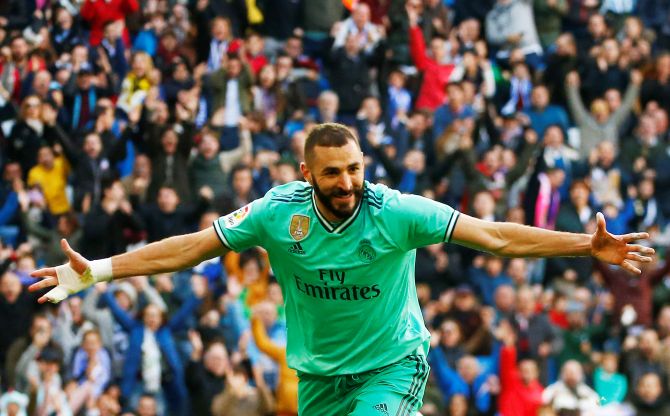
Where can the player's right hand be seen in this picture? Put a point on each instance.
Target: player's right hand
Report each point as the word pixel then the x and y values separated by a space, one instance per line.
pixel 69 278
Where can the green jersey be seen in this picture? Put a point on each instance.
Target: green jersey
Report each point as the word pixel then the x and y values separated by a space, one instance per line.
pixel 351 303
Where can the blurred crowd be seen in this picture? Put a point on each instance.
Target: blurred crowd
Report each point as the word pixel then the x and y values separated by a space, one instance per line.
pixel 123 122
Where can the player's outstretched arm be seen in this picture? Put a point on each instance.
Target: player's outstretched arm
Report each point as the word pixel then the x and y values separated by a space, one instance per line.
pixel 515 240
pixel 168 255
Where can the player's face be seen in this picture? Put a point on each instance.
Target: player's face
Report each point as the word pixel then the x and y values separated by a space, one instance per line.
pixel 337 177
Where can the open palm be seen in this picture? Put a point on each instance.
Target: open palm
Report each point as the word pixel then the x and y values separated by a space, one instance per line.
pixel 617 249
pixel 52 275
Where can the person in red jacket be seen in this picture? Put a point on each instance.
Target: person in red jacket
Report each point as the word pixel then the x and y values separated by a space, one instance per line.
pixel 520 390
pixel 98 12
pixel 435 73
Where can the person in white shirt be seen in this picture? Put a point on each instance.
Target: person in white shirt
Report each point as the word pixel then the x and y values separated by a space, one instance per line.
pixel 570 392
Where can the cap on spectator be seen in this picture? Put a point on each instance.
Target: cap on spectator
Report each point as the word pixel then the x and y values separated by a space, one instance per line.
pixel 128 289
pixel 234 47
pixel 467 49
pixel 464 290
pixel 86 69
pixel 15 397
pixel 50 355
pixel 574 306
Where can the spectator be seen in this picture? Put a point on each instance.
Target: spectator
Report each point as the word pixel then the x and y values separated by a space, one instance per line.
pixel 536 337
pixel 91 366
pixel 167 217
pixel 137 83
pixel 50 175
pixel 491 174
pixel 168 147
pixel 287 387
pixel 137 183
pixel 655 87
pixel 610 385
pixel 517 97
pixel 436 73
pixel 634 292
pixel 561 395
pixel 504 31
pixel 645 357
pixel 205 373
pixel 46 384
pixel 649 399
pixel 18 307
pixel 27 134
pixel 456 110
pixel 580 335
pixel 564 60
pixel 542 114
pixel 520 390
pixel 97 14
pixel 350 79
pixel 548 16
pixel 575 215
pixel 67 226
pixel 24 351
pixel 240 398
pixel 366 35
pixel 143 370
pixel 221 38
pixel 110 223
pixel 599 124
pixel 488 278
pixel 11 187
pixel 211 167
pixel 14 403
pixel 639 152
pixel 71 328
pixel 328 107
pixel 469 380
pixel 449 342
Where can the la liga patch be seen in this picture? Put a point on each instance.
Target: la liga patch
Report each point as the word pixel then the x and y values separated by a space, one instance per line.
pixel 235 218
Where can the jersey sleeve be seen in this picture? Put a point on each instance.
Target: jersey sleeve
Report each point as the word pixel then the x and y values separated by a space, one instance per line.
pixel 416 221
pixel 241 229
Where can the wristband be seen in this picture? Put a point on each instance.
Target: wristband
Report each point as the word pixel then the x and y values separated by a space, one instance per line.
pixel 101 270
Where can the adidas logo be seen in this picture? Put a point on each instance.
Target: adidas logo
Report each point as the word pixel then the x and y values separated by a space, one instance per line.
pixel 382 408
pixel 296 249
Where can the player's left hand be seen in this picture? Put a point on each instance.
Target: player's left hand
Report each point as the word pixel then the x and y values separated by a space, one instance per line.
pixel 617 249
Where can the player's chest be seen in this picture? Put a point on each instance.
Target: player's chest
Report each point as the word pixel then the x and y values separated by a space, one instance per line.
pixel 304 243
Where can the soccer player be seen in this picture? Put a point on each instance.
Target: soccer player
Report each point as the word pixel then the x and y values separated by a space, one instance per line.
pixel 343 251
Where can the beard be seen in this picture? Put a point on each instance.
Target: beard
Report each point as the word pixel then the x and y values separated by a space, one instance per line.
pixel 327 199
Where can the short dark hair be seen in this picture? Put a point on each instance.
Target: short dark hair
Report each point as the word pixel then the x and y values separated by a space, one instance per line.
pixel 239 168
pixel 328 135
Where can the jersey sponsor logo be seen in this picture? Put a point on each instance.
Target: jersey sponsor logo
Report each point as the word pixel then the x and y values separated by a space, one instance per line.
pixel 235 218
pixel 331 287
pixel 366 253
pixel 299 227
pixel 382 408
pixel 296 249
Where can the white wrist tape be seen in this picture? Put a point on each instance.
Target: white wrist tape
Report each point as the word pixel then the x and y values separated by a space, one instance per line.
pixel 101 270
pixel 69 281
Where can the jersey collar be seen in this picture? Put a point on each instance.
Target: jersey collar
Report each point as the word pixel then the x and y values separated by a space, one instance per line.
pixel 338 228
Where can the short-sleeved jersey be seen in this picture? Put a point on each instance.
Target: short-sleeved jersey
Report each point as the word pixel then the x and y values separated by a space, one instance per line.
pixel 351 303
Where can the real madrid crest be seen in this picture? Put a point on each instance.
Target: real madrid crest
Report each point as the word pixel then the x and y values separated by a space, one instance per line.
pixel 366 253
pixel 299 227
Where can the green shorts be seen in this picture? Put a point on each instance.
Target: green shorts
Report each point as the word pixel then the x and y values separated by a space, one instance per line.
pixel 394 390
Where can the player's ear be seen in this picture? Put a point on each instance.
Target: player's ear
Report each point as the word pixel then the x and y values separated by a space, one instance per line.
pixel 305 172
